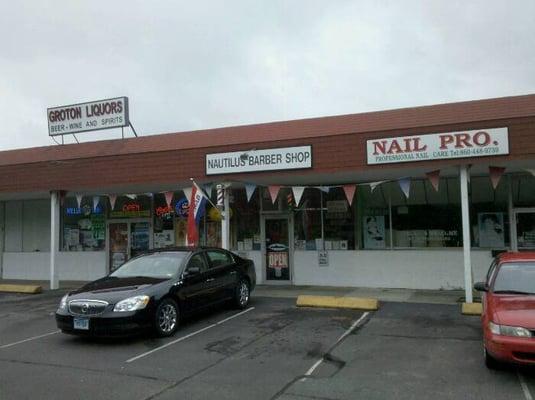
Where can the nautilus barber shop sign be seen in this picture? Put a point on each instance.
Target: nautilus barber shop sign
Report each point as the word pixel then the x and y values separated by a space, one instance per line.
pixel 437 146
pixel 96 115
pixel 259 160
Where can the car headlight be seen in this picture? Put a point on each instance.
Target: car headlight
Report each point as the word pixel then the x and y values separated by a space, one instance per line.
pixel 132 304
pixel 505 330
pixel 63 303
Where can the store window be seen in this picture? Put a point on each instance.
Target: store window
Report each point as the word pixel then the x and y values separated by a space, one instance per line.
pixel 245 220
pixel 387 219
pixel 164 222
pixel 488 213
pixel 308 234
pixel 338 221
pixel 84 227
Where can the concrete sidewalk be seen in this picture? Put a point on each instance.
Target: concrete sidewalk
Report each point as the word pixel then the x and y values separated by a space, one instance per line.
pixel 290 291
pixel 388 295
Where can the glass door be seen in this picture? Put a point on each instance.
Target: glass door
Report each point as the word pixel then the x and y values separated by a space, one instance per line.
pixel 127 239
pixel 277 248
pixel 118 244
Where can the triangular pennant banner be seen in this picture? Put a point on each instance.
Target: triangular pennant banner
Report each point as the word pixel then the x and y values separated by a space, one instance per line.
pixel 434 178
pixel 495 175
pixel 187 193
pixel 373 185
pixel 349 190
pixel 324 189
pixel 249 189
pixel 298 193
pixel 168 198
pixel 131 196
pixel 207 187
pixel 531 171
pixel 113 198
pixel 96 200
pixel 79 199
pixel 274 192
pixel 405 185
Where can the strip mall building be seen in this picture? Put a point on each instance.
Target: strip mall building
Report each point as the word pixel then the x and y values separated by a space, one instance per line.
pixel 396 230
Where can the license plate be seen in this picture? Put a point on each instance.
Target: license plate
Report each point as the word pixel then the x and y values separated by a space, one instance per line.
pixel 81 323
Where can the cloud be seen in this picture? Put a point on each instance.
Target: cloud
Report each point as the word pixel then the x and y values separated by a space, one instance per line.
pixel 187 65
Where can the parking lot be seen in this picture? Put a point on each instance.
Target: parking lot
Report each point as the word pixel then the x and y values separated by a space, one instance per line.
pixel 272 350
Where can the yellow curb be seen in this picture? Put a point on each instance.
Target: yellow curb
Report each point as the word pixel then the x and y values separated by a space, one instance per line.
pixel 472 309
pixel 355 303
pixel 31 289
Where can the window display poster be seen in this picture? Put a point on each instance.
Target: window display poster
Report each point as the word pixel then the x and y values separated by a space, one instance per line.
pixel 373 230
pixel 491 232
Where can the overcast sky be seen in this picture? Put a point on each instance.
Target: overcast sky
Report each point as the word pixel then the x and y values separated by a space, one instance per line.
pixel 190 65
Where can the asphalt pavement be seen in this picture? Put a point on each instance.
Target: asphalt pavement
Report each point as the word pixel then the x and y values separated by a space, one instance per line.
pixel 271 350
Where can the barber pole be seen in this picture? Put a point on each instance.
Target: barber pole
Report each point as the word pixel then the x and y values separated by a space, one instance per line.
pixel 220 196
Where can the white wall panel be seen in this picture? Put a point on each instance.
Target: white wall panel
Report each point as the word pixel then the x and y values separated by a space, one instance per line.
pixel 13 238
pixel 409 269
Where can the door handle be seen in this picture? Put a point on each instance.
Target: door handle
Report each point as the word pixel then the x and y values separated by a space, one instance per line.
pixel 210 280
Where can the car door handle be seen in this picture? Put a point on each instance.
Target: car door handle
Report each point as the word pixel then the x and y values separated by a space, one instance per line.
pixel 210 280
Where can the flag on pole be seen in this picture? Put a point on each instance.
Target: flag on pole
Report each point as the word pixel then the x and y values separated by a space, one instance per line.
pixel 495 175
pixel 349 190
pixel 197 205
pixel 434 178
pixel 298 193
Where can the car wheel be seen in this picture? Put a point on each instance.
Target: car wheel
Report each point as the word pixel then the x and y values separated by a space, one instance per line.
pixel 166 318
pixel 242 295
pixel 490 362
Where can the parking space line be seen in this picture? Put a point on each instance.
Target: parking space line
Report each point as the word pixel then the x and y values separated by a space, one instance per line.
pixel 180 339
pixel 345 334
pixel 5 346
pixel 524 386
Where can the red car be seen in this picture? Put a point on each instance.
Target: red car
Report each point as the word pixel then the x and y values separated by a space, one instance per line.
pixel 508 316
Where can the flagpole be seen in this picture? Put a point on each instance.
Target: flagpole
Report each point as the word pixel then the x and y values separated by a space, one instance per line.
pixel 203 192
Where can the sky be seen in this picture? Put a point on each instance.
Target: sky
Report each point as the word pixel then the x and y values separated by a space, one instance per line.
pixel 193 65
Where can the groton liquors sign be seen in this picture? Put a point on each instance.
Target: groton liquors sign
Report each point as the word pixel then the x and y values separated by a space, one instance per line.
pixel 102 114
pixel 437 146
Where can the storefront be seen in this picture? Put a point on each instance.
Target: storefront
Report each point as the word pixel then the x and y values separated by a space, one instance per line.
pixel 414 198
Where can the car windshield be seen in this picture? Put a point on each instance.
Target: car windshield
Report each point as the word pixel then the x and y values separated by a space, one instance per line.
pixel 157 265
pixel 515 278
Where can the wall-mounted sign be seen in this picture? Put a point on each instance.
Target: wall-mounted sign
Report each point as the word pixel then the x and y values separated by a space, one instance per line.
pixel 182 208
pixel 437 146
pixel 102 114
pixel 259 160
pixel 323 258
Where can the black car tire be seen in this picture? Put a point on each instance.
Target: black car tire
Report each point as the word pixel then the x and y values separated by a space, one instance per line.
pixel 491 362
pixel 242 294
pixel 166 318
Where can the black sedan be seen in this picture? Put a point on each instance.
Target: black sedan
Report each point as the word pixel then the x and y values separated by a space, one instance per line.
pixel 154 290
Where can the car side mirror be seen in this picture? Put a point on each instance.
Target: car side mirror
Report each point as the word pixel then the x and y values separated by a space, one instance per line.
pixel 481 287
pixel 190 271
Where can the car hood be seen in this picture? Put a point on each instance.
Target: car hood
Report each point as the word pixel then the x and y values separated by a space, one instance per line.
pixel 514 310
pixel 113 289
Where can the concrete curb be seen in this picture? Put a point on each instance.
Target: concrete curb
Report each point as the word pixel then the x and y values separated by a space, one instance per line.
pixel 354 303
pixel 29 289
pixel 471 309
